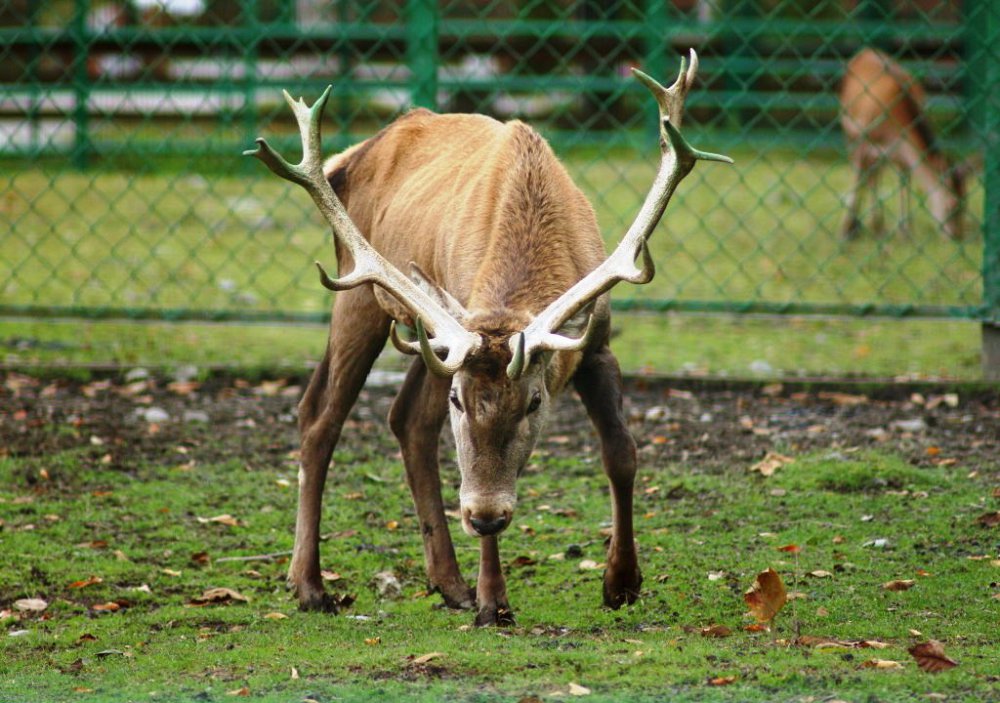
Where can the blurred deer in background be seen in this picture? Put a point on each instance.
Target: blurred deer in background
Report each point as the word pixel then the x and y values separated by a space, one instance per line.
pixel 508 294
pixel 882 115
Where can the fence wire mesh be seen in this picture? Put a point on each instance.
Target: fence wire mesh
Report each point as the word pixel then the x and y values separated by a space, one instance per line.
pixel 122 123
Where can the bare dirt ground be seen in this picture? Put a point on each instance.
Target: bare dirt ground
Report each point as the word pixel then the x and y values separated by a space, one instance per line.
pixel 143 420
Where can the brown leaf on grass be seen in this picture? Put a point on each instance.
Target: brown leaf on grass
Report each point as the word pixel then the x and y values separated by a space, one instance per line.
pixel 330 575
pixel 372 641
pixel 989 519
pixel 771 462
pixel 930 657
pixel 243 692
pixel 221 519
pixel 820 574
pixel 86 637
pixel 790 548
pixel 218 596
pixel 899 585
pixel 109 607
pixel 882 664
pixel 86 582
pixel 756 627
pixel 201 558
pixel 522 561
pixel 31 605
pixel 576 689
pixel 767 596
pixel 424 658
pixel 715 631
pixel 721 680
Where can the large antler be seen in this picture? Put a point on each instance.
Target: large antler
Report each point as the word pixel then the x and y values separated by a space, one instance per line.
pixel 676 161
pixel 449 335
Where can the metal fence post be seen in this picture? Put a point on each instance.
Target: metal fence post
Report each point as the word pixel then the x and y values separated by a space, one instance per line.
pixel 655 60
pixel 250 113
pixel 988 62
pixel 422 51
pixel 82 145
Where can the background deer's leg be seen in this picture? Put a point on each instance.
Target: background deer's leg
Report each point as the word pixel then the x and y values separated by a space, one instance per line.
pixel 870 184
pixel 905 203
pixel 491 589
pixel 599 383
pixel 852 222
pixel 416 417
pixel 358 330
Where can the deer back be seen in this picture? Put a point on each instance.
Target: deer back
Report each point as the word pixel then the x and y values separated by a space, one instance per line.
pixel 484 208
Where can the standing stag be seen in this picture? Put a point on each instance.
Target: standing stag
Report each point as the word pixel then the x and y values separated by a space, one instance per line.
pixel 882 115
pixel 508 294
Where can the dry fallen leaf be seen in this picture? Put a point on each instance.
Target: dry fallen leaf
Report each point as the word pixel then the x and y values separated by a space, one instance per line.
pixel 218 596
pixel 243 692
pixel 989 519
pixel 821 574
pixel 771 462
pixel 899 585
pixel 716 631
pixel 372 641
pixel 86 582
pixel 31 605
pixel 930 656
pixel 423 659
pixel 221 519
pixel 576 689
pixel 722 680
pixel 276 616
pixel 767 596
pixel 882 664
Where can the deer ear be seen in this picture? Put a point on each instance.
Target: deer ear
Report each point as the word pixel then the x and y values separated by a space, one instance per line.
pixel 443 297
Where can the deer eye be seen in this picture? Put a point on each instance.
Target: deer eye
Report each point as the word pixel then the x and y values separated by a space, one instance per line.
pixel 536 400
pixel 453 397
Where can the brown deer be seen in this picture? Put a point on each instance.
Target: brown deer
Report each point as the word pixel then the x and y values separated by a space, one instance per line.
pixel 883 118
pixel 508 295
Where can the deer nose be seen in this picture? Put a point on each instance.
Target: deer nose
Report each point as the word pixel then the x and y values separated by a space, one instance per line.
pixel 488 527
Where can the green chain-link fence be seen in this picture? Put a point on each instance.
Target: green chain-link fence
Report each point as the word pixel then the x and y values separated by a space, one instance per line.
pixel 123 193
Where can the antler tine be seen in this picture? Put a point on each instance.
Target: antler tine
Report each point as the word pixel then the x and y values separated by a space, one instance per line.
pixel 369 266
pixel 676 161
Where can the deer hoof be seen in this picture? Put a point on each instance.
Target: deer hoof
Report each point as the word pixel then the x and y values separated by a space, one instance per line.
pixel 621 591
pixel 495 614
pixel 459 598
pixel 324 604
pixel 314 599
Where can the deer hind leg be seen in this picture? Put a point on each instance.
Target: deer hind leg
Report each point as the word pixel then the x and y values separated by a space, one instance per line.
pixel 599 383
pixel 866 164
pixel 358 330
pixel 491 589
pixel 905 203
pixel 852 222
pixel 416 417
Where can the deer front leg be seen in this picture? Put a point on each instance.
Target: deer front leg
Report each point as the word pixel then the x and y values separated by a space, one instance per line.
pixel 491 589
pixel 599 383
pixel 325 405
pixel 416 417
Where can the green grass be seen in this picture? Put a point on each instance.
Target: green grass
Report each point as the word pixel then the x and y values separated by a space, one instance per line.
pixel 644 343
pixel 128 527
pixel 243 240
